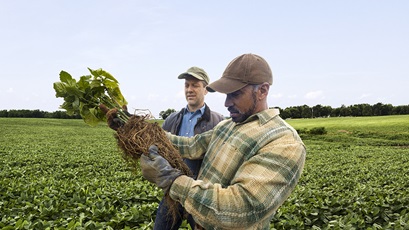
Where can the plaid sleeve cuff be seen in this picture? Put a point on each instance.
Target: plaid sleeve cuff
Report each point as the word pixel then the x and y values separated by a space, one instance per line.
pixel 180 188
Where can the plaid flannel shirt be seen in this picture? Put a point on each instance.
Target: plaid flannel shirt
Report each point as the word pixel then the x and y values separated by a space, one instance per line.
pixel 249 169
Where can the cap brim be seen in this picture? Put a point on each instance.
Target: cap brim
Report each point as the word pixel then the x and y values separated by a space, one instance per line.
pixel 225 85
pixel 184 75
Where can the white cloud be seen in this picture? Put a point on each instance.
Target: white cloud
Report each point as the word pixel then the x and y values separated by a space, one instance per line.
pixel 278 95
pixel 314 95
pixel 153 97
pixel 365 95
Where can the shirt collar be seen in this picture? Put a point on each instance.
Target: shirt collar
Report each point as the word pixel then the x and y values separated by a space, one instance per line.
pixel 202 109
pixel 263 116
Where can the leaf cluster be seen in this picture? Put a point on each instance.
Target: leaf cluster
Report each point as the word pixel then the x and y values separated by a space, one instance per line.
pixel 84 96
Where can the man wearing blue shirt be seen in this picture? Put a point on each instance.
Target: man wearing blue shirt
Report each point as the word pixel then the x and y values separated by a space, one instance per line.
pixel 195 118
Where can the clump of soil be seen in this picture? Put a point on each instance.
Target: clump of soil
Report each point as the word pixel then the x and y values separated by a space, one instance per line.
pixel 134 139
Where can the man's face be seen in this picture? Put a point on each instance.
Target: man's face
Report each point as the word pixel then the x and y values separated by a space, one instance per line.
pixel 242 103
pixel 195 92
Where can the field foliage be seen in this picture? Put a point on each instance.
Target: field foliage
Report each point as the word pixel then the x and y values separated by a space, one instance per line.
pixel 63 174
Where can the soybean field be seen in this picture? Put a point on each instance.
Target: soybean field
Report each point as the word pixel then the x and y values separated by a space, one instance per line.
pixel 64 174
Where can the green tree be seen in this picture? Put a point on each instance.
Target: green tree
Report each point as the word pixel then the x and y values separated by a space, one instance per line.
pixel 293 112
pixel 166 113
pixel 326 111
pixel 366 110
pixel 380 109
pixel 400 109
pixel 355 110
pixel 306 111
pixel 336 112
pixel 4 113
pixel 284 113
pixel 345 111
pixel 316 110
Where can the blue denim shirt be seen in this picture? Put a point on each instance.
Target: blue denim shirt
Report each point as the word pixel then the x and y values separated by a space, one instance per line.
pixel 189 121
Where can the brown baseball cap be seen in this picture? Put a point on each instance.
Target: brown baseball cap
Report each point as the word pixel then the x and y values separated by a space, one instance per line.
pixel 243 70
pixel 195 72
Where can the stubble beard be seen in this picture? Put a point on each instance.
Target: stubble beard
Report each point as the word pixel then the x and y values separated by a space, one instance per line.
pixel 249 112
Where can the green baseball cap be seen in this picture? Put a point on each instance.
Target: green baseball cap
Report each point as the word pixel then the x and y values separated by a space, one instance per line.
pixel 195 72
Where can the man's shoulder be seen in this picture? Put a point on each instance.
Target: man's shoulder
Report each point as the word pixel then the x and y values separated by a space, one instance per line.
pixel 216 113
pixel 171 119
pixel 172 115
pixel 216 116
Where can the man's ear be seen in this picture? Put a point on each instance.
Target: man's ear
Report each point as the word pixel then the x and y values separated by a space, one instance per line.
pixel 264 88
pixel 204 85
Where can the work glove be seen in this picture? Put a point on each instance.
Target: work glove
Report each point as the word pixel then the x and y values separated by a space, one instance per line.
pixel 157 169
pixel 112 116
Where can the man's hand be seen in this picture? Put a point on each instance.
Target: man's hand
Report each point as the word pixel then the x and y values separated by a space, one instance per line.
pixel 157 169
pixel 112 116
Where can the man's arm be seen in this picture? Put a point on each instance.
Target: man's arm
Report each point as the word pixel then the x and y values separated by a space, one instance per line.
pixel 259 188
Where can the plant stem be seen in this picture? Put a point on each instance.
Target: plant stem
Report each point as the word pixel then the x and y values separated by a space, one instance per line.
pixel 113 104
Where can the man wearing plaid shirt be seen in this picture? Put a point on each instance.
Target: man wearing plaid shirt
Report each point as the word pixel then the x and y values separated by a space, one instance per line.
pixel 251 162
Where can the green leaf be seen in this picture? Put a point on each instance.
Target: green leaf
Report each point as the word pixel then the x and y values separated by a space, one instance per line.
pixel 60 89
pixel 65 77
pixel 83 83
pixel 68 107
pixel 89 116
pixel 70 98
pixel 83 97
pixel 72 90
pixel 95 83
pixel 109 84
pixel 76 104
pixel 116 95
pixel 97 91
pixel 102 74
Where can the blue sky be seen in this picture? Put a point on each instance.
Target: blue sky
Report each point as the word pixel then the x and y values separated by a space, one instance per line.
pixel 321 52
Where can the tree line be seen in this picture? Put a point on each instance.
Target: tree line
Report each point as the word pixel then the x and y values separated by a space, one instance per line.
pixel 356 110
pixel 303 111
pixel 37 114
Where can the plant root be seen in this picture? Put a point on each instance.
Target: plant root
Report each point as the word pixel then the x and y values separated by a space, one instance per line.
pixel 134 139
